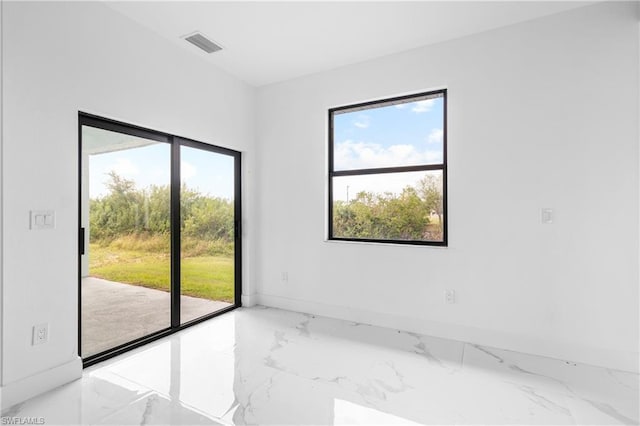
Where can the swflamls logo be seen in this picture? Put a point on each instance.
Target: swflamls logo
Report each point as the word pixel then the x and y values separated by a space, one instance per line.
pixel 22 420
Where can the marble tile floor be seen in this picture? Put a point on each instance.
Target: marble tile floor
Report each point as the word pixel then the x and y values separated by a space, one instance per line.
pixel 269 366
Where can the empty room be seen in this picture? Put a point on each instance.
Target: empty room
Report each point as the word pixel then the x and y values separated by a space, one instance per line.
pixel 320 212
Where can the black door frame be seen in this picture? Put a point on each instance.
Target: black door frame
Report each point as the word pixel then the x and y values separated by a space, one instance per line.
pixel 85 119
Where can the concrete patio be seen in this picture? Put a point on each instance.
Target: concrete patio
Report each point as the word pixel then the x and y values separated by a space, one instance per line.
pixel 115 313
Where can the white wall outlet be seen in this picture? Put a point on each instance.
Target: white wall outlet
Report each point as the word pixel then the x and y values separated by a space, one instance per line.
pixel 546 216
pixel 42 219
pixel 40 334
pixel 449 296
pixel 285 277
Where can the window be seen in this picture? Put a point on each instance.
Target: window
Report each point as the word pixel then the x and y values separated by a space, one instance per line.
pixel 388 170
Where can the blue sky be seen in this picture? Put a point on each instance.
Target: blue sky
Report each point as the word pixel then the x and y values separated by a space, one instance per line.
pixel 396 135
pixel 207 172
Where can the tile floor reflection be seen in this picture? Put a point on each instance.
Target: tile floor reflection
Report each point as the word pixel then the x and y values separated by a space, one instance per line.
pixel 269 366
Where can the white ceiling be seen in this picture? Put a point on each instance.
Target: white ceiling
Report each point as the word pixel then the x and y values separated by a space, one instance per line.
pixel 266 42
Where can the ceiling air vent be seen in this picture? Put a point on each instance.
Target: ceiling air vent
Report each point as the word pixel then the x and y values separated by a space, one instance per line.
pixel 197 39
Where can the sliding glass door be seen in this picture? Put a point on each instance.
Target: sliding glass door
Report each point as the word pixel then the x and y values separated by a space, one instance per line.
pixel 126 272
pixel 159 237
pixel 207 228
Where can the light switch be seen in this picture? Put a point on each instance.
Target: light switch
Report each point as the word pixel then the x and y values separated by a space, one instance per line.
pixel 42 219
pixel 547 216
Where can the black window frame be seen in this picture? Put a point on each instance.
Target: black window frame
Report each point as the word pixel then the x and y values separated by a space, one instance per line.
pixel 397 169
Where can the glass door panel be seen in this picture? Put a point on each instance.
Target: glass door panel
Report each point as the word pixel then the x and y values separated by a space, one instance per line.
pixel 207 218
pixel 125 214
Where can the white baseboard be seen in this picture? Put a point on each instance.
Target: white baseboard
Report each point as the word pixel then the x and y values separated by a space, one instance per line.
pixel 21 390
pixel 248 300
pixel 613 359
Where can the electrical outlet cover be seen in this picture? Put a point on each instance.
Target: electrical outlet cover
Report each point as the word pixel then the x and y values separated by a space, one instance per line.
pixel 450 296
pixel 40 334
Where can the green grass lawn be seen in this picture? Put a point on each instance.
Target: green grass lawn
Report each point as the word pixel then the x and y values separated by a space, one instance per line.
pixel 209 277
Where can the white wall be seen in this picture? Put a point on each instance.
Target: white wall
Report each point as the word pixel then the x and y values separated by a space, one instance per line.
pixel 59 58
pixel 541 114
pixel 1 180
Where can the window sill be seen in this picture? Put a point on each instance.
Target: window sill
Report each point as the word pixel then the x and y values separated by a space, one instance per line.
pixel 436 245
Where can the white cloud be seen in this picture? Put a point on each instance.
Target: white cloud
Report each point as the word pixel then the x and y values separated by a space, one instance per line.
pixel 124 167
pixel 362 155
pixel 423 106
pixel 401 106
pixel 187 170
pixel 362 122
pixel 435 136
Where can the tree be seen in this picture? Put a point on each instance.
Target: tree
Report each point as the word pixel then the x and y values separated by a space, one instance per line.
pixel 430 190
pixel 388 216
pixel 405 216
pixel 209 218
pixel 121 211
pixel 127 210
